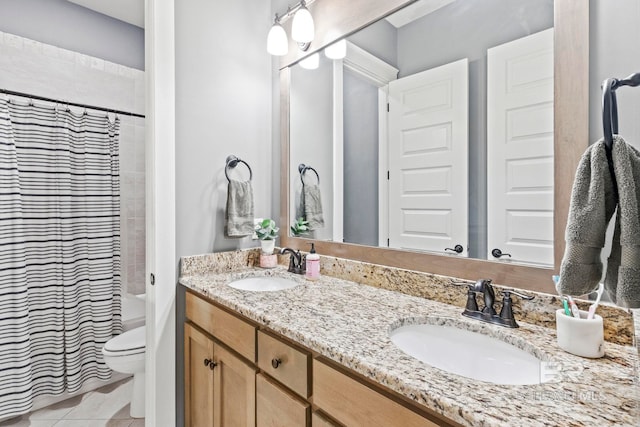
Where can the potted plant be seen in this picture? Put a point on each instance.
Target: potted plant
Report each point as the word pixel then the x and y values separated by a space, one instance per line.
pixel 267 232
pixel 300 227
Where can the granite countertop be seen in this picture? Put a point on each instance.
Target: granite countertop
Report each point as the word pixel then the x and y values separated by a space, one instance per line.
pixel 350 323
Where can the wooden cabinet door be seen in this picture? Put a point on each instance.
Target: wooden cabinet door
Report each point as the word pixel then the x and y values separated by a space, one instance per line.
pixel 234 391
pixel 198 378
pixel 276 407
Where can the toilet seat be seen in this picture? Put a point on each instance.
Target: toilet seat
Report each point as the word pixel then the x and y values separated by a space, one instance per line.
pixel 126 344
pixel 126 353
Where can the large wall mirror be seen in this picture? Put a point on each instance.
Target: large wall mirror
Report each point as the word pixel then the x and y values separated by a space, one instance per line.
pixel 432 143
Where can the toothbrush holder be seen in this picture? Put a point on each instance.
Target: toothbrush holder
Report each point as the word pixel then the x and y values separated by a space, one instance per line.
pixel 580 336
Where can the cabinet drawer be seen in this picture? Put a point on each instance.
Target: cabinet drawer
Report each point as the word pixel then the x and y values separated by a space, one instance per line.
pixel 230 329
pixel 318 420
pixel 355 404
pixel 285 363
pixel 276 407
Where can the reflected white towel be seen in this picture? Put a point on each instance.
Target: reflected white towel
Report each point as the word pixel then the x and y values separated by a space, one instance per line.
pixel 310 207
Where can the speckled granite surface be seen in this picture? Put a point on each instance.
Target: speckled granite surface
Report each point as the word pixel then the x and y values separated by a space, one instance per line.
pixel 618 325
pixel 349 323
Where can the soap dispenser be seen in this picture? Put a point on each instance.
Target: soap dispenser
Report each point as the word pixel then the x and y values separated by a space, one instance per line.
pixel 312 264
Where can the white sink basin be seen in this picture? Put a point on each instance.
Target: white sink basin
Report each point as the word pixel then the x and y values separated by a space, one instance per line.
pixel 470 354
pixel 263 284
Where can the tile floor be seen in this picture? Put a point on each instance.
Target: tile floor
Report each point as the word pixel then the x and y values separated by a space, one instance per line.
pixel 107 406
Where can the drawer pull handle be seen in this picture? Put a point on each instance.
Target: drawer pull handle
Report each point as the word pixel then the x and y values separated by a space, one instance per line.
pixel 275 362
pixel 210 363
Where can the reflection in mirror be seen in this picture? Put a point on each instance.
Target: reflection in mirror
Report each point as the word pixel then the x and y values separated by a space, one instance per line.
pixel 435 131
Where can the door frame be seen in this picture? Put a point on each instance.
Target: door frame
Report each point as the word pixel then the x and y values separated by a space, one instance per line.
pixel 379 73
pixel 161 263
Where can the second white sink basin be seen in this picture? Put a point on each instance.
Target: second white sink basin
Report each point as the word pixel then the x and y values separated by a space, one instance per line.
pixel 470 354
pixel 263 284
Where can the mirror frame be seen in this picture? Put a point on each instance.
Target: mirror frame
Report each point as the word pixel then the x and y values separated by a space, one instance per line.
pixel 335 19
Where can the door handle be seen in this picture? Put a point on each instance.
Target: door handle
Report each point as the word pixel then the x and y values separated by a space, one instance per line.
pixel 497 253
pixel 457 249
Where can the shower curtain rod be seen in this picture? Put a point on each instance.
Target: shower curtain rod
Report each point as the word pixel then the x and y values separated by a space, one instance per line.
pixel 92 107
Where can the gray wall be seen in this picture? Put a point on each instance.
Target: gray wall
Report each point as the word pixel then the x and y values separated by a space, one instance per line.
pixel 223 107
pixel 360 161
pixel 379 39
pixel 69 26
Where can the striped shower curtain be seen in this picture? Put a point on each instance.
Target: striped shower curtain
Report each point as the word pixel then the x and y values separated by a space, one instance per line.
pixel 59 250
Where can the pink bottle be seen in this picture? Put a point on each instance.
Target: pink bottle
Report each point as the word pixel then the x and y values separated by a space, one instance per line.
pixel 312 264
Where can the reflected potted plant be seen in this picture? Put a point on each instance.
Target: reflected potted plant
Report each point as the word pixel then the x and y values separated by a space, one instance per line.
pixel 267 232
pixel 300 227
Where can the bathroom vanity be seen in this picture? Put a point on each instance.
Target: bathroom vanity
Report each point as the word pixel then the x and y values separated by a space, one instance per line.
pixel 319 354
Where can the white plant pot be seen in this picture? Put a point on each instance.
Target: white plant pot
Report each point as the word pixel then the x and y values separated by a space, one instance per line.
pixel 267 246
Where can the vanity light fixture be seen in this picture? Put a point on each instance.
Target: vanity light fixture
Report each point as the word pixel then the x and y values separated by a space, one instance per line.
pixel 337 50
pixel 302 30
pixel 277 43
pixel 311 62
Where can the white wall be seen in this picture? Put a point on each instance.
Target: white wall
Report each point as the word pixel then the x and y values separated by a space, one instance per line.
pixel 223 107
pixel 36 68
pixel 311 138
pixel 67 25
pixel 615 52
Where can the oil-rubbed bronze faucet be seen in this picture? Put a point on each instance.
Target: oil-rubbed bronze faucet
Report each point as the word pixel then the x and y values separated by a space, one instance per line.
pixel 295 261
pixel 488 312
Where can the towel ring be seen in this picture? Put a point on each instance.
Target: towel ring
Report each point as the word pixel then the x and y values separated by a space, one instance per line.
pixel 610 105
pixel 232 162
pixel 302 168
pixel 609 112
pixel 610 117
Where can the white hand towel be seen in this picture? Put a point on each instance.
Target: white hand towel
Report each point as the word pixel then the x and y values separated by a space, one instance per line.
pixel 239 215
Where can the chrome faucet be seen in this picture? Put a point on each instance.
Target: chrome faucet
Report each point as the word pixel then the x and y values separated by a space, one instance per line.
pixel 488 312
pixel 295 261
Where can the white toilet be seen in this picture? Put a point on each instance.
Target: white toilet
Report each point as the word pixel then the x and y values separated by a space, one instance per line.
pixel 125 353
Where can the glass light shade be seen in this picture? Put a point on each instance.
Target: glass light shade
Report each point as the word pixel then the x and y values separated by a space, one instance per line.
pixel 338 50
pixel 277 43
pixel 311 62
pixel 302 28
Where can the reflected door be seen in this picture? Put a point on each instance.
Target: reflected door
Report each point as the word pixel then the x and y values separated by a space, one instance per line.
pixel 520 149
pixel 428 149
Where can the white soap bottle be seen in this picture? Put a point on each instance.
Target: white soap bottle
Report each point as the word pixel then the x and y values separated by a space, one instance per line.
pixel 312 264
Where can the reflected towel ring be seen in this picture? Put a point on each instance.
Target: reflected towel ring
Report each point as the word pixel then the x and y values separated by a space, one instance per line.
pixel 232 162
pixel 302 168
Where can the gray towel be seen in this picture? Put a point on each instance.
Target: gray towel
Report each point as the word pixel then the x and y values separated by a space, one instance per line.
pixel 623 266
pixel 239 215
pixel 592 205
pixel 310 207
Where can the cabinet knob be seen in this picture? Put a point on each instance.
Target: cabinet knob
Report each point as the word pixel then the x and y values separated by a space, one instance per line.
pixel 275 362
pixel 210 363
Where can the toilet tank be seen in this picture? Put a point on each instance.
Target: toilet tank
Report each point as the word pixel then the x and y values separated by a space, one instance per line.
pixel 133 311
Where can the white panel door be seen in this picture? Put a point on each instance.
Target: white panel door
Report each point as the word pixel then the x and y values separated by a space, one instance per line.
pixel 428 146
pixel 520 148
